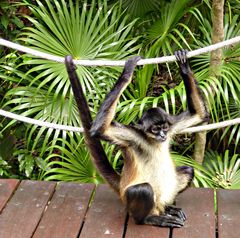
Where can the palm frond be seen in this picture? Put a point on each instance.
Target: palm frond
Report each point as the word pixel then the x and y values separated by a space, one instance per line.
pixel 86 30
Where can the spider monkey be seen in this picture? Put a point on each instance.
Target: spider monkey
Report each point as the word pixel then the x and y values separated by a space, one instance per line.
pixel 149 181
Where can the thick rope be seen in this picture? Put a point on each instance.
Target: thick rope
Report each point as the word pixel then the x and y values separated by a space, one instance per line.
pixel 114 63
pixel 160 60
pixel 79 129
pixel 38 122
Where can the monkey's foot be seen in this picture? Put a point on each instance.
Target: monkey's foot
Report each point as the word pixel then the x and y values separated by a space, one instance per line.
pixel 175 211
pixel 164 221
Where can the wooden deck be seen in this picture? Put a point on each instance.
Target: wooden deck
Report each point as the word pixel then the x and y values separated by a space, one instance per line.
pixel 57 210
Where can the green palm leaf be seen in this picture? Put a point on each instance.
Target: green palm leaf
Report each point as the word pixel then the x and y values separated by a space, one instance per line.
pixel 224 170
pixel 84 29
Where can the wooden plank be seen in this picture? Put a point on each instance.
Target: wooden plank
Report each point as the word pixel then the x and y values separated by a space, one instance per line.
pixel 7 187
pixel 106 216
pixel 65 214
pixel 198 204
pixel 142 231
pixel 23 212
pixel 228 213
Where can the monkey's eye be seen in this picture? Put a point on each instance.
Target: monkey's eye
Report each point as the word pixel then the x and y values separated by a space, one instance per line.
pixel 155 129
pixel 165 127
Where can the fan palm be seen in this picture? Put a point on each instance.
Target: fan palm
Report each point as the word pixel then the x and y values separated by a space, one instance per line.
pixel 224 170
pixel 84 29
pixel 71 164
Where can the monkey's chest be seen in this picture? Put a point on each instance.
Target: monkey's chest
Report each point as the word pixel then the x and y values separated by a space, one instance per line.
pixel 160 173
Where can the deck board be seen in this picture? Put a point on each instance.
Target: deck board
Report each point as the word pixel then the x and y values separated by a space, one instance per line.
pixel 7 188
pixel 21 215
pixel 198 204
pixel 37 209
pixel 141 231
pixel 66 211
pixel 228 213
pixel 106 216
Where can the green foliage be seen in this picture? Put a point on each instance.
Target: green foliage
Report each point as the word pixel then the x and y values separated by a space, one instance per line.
pixel 224 170
pixel 222 93
pixel 26 162
pixel 140 8
pixel 11 21
pixel 44 93
pixel 165 32
pixel 4 168
pixel 71 162
pixel 202 177
pixel 217 171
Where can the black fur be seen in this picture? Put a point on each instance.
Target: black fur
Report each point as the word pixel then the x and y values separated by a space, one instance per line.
pixel 175 211
pixel 164 221
pixel 154 115
pixel 188 171
pixel 97 152
pixel 140 201
pixel 185 71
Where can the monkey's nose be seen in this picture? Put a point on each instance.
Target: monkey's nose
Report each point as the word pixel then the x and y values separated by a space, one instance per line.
pixel 162 135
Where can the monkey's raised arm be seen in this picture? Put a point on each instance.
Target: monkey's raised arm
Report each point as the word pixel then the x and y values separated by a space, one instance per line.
pixel 197 111
pixel 94 145
pixel 102 126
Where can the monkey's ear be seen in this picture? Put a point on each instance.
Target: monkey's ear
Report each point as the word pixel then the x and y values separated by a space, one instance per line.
pixel 141 125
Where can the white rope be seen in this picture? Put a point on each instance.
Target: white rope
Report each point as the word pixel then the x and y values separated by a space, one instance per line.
pixel 114 63
pixel 38 122
pixel 117 62
pixel 80 129
pixel 212 126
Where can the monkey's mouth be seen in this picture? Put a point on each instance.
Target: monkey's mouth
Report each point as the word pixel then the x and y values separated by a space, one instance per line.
pixel 161 137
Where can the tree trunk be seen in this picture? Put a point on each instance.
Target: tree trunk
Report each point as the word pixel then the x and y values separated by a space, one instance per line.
pixel 215 62
pixel 217 35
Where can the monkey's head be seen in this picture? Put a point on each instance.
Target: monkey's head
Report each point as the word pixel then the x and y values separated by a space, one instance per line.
pixel 156 123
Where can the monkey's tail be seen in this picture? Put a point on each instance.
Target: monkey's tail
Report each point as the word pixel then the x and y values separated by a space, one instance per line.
pixel 96 150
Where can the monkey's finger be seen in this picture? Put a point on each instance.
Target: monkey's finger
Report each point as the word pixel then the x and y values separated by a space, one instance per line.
pixel 181 56
pixel 182 215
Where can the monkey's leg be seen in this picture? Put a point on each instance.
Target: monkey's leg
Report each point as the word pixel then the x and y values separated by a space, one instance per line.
pixel 185 176
pixel 140 202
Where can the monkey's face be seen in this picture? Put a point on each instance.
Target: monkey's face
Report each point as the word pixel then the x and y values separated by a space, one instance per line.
pixel 156 123
pixel 159 131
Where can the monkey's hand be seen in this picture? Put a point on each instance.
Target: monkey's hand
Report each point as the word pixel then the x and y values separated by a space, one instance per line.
pixel 129 67
pixel 181 56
